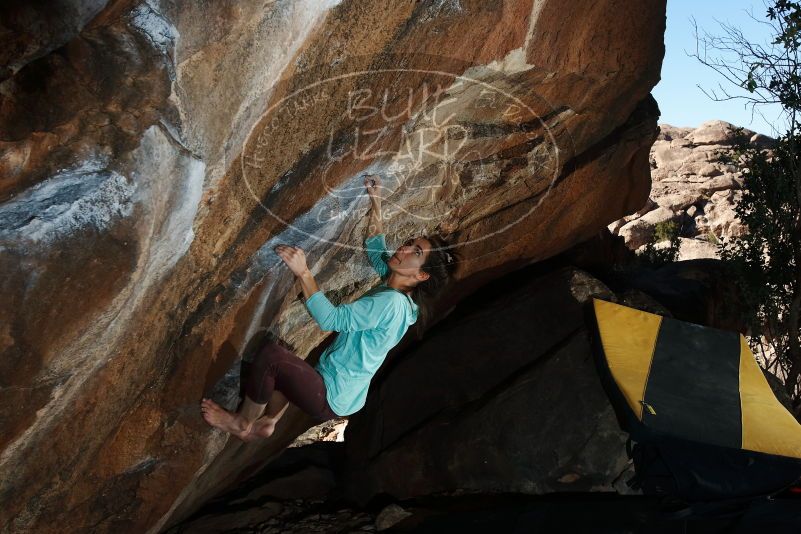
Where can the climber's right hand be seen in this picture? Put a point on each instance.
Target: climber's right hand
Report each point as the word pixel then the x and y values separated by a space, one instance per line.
pixel 373 184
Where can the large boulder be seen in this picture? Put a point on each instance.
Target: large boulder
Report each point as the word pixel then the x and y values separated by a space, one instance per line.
pixel 503 396
pixel 154 152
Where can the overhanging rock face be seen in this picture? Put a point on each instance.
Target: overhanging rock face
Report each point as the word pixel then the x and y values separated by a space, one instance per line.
pixel 154 152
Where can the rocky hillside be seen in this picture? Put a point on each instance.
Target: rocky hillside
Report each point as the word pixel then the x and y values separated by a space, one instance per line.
pixel 691 189
pixel 154 151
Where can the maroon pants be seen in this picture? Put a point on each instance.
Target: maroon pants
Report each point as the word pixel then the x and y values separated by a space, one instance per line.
pixel 276 367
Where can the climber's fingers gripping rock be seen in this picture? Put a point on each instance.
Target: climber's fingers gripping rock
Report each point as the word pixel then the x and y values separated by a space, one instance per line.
pixel 294 257
pixel 373 184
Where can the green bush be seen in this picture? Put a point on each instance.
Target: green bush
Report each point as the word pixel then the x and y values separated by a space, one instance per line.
pixel 765 263
pixel 651 256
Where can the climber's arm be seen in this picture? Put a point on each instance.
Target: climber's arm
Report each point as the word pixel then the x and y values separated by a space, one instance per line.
pixel 375 225
pixel 308 284
pixel 375 242
pixel 377 253
pixel 365 313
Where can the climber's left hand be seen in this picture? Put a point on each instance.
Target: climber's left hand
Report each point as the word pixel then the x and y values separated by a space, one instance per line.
pixel 294 257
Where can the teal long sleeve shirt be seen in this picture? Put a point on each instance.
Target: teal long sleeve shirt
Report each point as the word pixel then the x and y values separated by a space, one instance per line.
pixel 368 328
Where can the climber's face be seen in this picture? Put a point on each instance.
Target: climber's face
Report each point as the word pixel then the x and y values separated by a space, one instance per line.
pixel 410 257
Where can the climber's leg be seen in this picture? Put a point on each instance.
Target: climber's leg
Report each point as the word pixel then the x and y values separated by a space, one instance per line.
pixel 285 377
pixel 250 410
pixel 277 405
pixel 260 383
pixel 265 425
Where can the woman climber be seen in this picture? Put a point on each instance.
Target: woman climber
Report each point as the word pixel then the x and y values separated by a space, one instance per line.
pixel 368 328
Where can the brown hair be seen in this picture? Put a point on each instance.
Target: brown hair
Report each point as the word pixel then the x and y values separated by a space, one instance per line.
pixel 441 264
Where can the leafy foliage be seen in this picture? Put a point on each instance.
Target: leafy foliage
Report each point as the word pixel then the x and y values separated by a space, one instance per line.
pixel 653 256
pixel 765 263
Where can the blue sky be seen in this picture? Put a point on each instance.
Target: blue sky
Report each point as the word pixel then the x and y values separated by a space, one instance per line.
pixel 681 101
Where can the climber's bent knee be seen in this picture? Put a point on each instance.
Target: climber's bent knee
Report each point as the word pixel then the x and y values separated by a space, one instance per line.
pixel 276 368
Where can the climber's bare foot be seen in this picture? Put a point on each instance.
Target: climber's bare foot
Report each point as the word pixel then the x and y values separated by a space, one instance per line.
pixel 218 417
pixel 263 427
pixel 250 436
